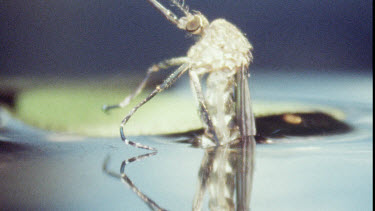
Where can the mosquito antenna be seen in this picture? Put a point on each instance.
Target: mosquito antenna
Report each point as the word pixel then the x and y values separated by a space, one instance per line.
pixel 180 4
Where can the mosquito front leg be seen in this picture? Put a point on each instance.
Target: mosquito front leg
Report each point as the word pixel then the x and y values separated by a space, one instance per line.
pixel 167 83
pixel 154 68
pixel 205 116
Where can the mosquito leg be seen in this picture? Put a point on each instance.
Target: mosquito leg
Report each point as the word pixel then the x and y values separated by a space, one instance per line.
pixel 134 159
pixel 154 68
pixel 205 172
pixel 126 180
pixel 196 85
pixel 167 83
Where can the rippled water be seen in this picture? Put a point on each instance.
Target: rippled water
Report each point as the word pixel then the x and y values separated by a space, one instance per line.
pixel 45 170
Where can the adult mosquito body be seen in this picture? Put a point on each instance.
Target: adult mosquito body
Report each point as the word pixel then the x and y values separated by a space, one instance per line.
pixel 223 54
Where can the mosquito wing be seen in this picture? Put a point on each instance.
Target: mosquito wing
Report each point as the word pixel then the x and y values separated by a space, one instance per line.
pixel 246 123
pixel 245 115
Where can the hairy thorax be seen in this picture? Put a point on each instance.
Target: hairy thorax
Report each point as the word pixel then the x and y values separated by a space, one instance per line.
pixel 222 46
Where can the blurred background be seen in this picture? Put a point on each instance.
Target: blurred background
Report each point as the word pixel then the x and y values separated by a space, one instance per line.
pixel 311 52
pixel 80 38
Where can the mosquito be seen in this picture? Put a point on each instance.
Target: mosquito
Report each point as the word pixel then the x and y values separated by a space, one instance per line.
pixel 220 58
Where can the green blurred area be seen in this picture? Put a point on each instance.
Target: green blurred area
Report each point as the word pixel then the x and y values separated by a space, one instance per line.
pixel 77 109
pixel 74 106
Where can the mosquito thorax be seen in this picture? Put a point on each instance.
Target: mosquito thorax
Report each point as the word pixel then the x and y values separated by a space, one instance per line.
pixel 221 46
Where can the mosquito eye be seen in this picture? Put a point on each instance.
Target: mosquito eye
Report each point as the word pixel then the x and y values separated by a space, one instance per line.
pixel 193 25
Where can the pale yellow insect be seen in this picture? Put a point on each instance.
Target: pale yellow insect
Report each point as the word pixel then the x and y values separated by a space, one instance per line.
pixel 223 54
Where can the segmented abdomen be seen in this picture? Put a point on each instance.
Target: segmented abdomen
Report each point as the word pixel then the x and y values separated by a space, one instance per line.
pixel 220 101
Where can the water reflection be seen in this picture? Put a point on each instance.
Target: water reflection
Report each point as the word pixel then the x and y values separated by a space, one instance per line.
pixel 126 180
pixel 226 173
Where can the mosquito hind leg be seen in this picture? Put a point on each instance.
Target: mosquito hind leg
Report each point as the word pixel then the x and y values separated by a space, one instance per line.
pixel 167 83
pixel 197 89
pixel 153 69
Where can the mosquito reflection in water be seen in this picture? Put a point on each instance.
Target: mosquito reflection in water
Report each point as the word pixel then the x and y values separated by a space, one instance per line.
pixel 226 173
pixel 125 179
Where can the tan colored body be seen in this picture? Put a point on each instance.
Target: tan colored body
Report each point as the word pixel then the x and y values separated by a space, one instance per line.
pixel 221 52
pixel 221 46
pixel 223 55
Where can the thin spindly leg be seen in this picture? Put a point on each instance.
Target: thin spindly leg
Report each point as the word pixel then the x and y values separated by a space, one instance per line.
pixel 154 68
pixel 134 159
pixel 167 83
pixel 197 88
pixel 126 180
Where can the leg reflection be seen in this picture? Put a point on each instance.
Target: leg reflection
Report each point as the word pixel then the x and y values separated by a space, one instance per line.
pixel 126 180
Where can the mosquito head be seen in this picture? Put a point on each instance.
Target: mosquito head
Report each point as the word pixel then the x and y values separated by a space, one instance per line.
pixel 192 23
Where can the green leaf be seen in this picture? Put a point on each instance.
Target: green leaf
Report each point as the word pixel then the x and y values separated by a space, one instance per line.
pixel 76 108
